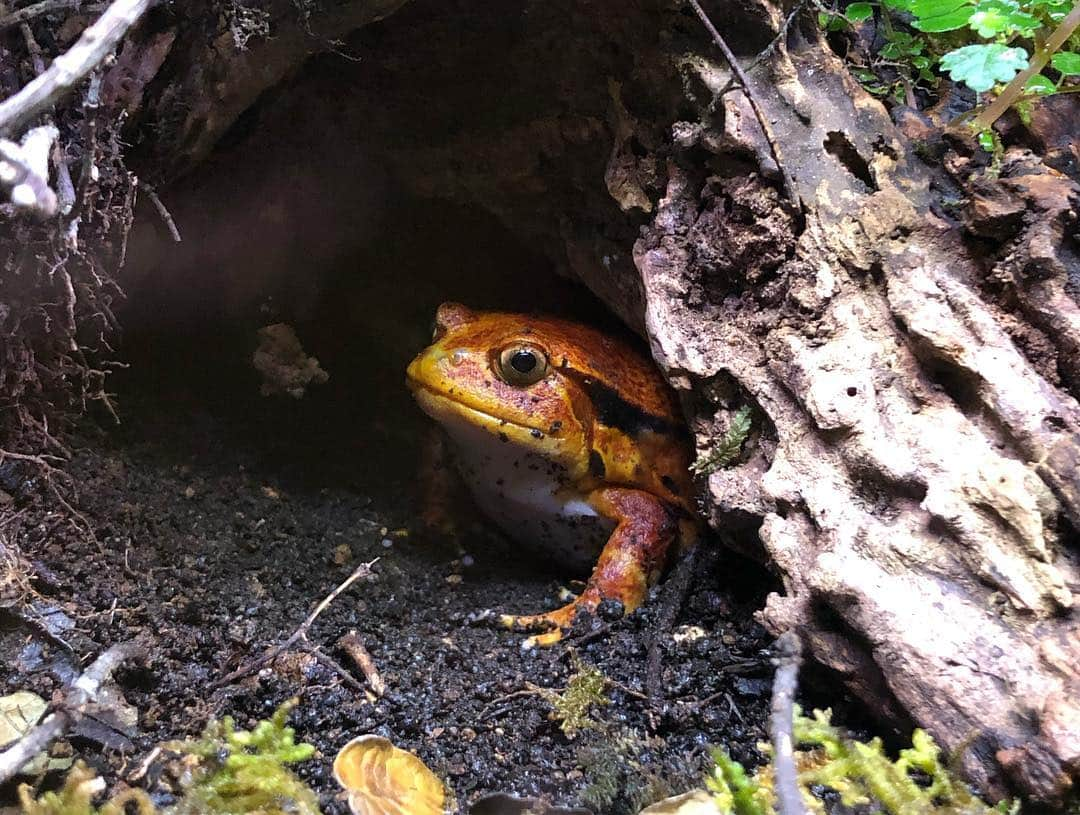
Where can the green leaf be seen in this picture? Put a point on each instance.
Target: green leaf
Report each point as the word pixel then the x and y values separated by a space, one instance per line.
pixel 857 12
pixel 897 5
pixel 981 66
pixel 986 140
pixel 995 17
pixel 1040 84
pixel 1068 62
pixel 941 15
pixel 1054 9
pixel 831 22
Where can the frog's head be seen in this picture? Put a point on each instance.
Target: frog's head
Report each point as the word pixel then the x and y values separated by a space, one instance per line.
pixel 501 373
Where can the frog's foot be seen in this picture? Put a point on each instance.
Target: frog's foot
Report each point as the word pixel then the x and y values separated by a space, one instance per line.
pixel 550 624
pixel 630 561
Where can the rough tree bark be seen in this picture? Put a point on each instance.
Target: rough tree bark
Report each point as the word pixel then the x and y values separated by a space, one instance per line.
pixel 908 333
pixel 918 481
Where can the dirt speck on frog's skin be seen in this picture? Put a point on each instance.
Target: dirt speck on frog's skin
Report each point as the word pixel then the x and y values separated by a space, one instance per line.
pixel 587 459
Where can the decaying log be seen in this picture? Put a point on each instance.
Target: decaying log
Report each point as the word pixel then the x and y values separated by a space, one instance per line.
pixel 918 475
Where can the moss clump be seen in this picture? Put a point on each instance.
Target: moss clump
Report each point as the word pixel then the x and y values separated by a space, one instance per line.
pixel 728 447
pixel 620 777
pixel 76 797
pixel 572 706
pixel 229 772
pixel 860 772
pixel 242 771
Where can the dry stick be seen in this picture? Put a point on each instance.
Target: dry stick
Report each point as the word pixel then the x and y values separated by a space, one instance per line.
pixel 1015 88
pixel 166 216
pixel 30 12
pixel 67 70
pixel 352 645
pixel 744 84
pixel 675 591
pixel 331 663
pixel 363 570
pixel 81 693
pixel 781 725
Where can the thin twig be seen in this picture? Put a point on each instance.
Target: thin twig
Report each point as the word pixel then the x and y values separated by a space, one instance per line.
pixel 352 645
pixel 32 47
pixel 166 216
pixel 332 664
pixel 768 49
pixel 23 15
pixel 65 187
pixel 675 591
pixel 92 48
pixel 82 692
pixel 363 570
pixel 744 85
pixel 487 713
pixel 782 724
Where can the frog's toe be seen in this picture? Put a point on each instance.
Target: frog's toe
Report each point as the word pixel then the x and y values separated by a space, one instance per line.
pixel 529 622
pixel 542 640
pixel 567 595
pixel 549 626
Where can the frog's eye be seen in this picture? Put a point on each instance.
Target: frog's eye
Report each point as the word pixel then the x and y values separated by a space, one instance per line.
pixel 522 364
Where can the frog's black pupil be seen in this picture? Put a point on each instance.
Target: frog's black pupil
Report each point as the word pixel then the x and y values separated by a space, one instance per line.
pixel 523 361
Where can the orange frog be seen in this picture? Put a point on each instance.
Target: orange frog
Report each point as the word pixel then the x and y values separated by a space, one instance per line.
pixel 568 440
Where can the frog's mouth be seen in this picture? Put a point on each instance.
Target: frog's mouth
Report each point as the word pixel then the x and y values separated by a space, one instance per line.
pixel 445 409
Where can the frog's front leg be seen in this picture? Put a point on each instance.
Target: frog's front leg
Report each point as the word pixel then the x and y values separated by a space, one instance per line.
pixel 443 498
pixel 630 561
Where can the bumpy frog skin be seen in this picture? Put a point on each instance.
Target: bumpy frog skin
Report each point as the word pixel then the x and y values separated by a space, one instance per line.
pixel 568 440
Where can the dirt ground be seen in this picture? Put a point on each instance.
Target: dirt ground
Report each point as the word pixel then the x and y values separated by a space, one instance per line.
pixel 222 517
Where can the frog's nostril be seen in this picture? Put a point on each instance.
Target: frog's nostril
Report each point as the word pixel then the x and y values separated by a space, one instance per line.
pixel 457 357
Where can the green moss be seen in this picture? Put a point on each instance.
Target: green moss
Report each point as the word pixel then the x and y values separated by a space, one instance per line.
pixel 916 783
pixel 728 448
pixel 76 797
pixel 572 707
pixel 243 771
pixel 231 772
pixel 620 778
pixel 733 790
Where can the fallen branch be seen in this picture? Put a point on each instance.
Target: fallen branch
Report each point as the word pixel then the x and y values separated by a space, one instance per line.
pixel 82 693
pixel 744 85
pixel 782 724
pixel 352 645
pixel 300 634
pixel 96 43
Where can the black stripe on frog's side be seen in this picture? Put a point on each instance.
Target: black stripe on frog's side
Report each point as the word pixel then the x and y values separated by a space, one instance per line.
pixel 614 411
pixel 597 467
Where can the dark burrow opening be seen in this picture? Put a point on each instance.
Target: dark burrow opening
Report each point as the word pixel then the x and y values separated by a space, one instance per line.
pixel 222 516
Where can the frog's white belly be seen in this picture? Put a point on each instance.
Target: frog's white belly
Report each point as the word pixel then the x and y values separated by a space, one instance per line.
pixel 527 496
